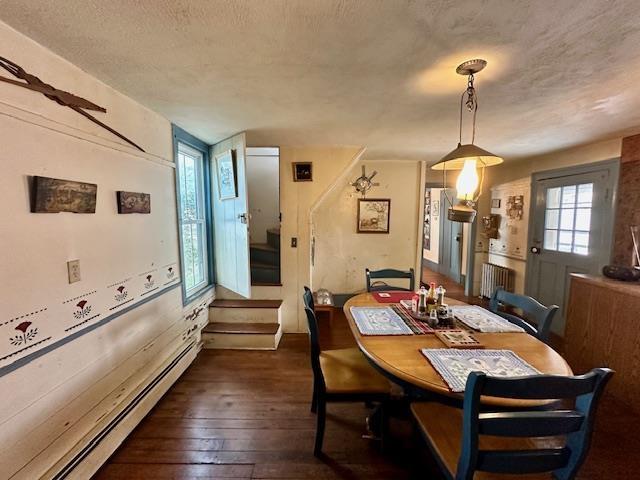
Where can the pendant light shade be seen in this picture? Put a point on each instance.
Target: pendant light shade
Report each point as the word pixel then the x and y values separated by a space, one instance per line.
pixel 455 159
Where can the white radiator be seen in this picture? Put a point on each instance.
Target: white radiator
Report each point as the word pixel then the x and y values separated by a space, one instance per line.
pixel 495 276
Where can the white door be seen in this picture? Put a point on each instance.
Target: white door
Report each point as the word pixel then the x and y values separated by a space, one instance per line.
pixel 231 215
pixel 571 233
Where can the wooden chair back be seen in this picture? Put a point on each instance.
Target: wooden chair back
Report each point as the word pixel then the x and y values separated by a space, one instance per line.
pixel 532 309
pixel 389 273
pixel 314 335
pixel 575 424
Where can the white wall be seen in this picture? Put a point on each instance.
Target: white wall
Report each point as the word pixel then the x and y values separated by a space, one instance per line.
pixel 432 254
pixel 510 248
pixel 263 185
pixel 52 404
pixel 342 254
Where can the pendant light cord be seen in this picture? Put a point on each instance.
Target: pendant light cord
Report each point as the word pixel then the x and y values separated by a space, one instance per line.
pixel 472 106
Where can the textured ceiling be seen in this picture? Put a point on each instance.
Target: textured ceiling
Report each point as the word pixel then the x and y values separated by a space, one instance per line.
pixel 375 73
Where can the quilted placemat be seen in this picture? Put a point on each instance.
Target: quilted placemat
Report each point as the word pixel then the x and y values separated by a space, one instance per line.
pixel 483 320
pixel 454 365
pixel 379 321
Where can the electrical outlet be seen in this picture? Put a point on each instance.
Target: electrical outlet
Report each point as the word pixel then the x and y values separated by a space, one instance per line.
pixel 73 268
pixel 294 242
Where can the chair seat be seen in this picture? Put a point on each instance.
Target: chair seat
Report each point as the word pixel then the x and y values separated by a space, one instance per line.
pixel 347 371
pixel 442 428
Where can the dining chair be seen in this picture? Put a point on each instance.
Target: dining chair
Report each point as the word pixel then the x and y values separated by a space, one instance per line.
pixel 531 308
pixel 540 443
pixel 388 273
pixel 341 375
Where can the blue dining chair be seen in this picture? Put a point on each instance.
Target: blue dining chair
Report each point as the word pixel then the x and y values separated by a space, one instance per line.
pixel 341 375
pixel 386 274
pixel 552 443
pixel 531 308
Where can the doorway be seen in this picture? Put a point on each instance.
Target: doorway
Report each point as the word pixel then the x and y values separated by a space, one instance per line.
pixel 572 220
pixel 263 185
pixel 442 239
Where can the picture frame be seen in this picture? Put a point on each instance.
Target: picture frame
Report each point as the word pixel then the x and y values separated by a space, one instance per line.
pixel 133 202
pixel 226 173
pixel 374 215
pixel 55 195
pixel 302 171
pixel 495 203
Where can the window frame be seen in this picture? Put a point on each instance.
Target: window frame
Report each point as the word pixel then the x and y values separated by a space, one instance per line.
pixel 181 136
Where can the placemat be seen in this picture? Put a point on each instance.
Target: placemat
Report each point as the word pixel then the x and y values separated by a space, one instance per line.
pixel 483 320
pixel 392 296
pixel 379 321
pixel 454 365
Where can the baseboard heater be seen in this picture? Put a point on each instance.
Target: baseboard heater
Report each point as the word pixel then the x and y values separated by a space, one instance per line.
pixel 95 441
pixel 494 276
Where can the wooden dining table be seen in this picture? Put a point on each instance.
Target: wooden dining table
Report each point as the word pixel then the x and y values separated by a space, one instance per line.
pixel 399 358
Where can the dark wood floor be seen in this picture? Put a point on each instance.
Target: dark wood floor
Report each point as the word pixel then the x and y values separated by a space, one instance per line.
pixel 454 290
pixel 245 415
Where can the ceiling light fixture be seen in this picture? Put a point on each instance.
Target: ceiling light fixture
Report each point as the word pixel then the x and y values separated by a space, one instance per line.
pixel 467 157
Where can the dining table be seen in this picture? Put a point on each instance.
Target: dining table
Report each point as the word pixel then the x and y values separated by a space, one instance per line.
pixel 399 357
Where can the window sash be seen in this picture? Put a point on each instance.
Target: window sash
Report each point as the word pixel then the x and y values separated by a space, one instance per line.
pixel 194 251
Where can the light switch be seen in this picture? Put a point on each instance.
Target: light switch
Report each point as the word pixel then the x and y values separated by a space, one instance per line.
pixel 73 267
pixel 294 242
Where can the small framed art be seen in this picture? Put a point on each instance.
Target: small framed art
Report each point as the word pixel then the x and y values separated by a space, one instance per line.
pixel 374 215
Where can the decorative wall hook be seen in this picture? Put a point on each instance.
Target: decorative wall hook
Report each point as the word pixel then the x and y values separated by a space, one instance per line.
pixel 61 97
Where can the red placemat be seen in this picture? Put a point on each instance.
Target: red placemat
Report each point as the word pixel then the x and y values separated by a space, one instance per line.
pixel 392 296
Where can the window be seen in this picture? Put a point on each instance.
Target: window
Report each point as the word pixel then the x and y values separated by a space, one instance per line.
pixel 567 221
pixel 192 179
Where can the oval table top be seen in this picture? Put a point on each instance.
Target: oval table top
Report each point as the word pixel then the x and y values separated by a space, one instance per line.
pixel 399 356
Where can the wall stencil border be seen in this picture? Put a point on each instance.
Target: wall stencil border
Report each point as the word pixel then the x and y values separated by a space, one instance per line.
pixel 63 341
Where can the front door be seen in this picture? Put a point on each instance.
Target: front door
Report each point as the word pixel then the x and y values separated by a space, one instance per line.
pixel 572 224
pixel 450 241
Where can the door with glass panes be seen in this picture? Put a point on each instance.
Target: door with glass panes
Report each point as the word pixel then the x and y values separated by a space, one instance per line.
pixel 572 231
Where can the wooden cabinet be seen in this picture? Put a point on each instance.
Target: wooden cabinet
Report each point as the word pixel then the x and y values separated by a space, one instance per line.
pixel 603 330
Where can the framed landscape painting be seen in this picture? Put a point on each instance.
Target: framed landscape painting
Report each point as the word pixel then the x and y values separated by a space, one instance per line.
pixel 226 173
pixel 54 195
pixel 374 215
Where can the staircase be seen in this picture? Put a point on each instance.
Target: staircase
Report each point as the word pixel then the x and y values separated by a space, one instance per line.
pixel 243 324
pixel 265 260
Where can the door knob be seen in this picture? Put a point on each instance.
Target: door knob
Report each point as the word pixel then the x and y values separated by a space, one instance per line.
pixel 243 218
pixel 535 250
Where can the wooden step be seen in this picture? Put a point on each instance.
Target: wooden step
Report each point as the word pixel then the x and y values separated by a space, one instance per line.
pixel 273 237
pixel 242 335
pixel 242 328
pixel 220 303
pixel 264 246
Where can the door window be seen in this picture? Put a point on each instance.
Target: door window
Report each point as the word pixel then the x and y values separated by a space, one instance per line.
pixel 567 220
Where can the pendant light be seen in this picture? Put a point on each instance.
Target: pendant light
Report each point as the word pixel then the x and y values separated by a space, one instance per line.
pixel 468 157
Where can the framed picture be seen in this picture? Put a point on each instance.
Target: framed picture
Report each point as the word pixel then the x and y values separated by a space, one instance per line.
pixel 495 203
pixel 226 173
pixel 54 195
pixel 302 171
pixel 373 215
pixel 133 202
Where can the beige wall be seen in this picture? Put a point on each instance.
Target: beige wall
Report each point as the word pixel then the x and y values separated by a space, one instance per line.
pixel 342 254
pixel 521 170
pixel 53 404
pixel 297 200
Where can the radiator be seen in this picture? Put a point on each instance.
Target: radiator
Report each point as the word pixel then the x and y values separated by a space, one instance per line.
pixel 495 276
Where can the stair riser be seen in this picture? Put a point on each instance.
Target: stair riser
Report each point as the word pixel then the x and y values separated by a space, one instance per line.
pixel 258 255
pixel 241 341
pixel 244 315
pixel 273 239
pixel 263 275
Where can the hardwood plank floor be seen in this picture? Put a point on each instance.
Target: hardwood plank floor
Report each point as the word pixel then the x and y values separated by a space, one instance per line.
pixel 245 415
